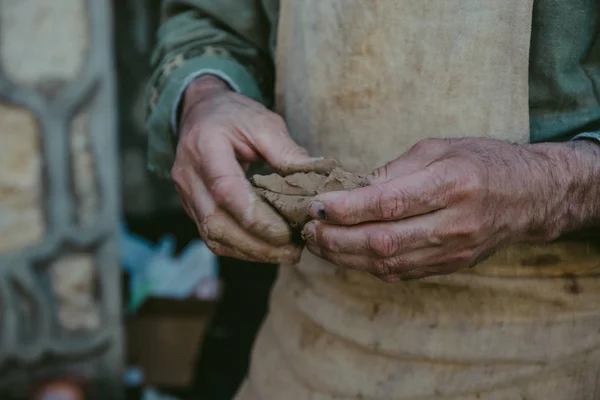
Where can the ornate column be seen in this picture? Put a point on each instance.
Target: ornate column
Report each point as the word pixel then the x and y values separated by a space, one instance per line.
pixel 59 205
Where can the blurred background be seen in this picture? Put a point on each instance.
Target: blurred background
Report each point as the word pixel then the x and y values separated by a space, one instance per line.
pixel 105 290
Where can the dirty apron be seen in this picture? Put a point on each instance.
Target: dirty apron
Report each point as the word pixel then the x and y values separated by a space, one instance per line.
pixel 363 81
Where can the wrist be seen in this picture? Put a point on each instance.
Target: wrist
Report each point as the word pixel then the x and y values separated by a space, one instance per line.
pixel 570 197
pixel 202 88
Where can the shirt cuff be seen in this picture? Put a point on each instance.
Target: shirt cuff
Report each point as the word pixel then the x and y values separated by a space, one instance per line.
pixel 588 136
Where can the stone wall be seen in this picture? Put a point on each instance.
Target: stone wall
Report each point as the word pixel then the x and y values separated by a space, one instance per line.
pixel 59 201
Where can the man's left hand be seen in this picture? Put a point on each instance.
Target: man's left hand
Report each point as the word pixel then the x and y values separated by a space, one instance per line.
pixel 442 206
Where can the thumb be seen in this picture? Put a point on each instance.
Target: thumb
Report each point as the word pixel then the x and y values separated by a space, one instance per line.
pixel 319 165
pixel 417 158
pixel 287 157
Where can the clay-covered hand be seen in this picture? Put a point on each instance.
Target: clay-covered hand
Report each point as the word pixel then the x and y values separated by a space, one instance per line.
pixel 447 204
pixel 291 195
pixel 221 133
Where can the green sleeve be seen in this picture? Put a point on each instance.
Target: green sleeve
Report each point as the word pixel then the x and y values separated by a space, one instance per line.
pixel 228 38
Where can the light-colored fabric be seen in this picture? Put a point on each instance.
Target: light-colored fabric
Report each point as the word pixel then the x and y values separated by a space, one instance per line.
pixel 363 81
pixel 238 37
pixel 401 71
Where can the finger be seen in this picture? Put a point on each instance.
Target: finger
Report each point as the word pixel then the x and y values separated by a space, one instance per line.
pixel 226 182
pixel 221 232
pixel 413 265
pixel 373 265
pixel 422 154
pixel 220 228
pixel 226 251
pixel 422 192
pixel 293 208
pixel 393 278
pixel 380 239
pixel 432 270
pixel 216 225
pixel 285 155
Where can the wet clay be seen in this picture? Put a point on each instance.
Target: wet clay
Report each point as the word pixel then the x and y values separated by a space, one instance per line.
pixel 290 195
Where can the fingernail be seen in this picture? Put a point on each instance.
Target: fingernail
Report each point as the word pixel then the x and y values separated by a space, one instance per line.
pixel 317 211
pixel 309 232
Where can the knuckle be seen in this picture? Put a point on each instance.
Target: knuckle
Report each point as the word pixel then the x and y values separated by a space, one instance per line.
pixel 210 228
pixel 470 183
pixel 192 140
pixel 389 266
pixel 468 230
pixel 383 243
pixel 395 265
pixel 465 231
pixel 203 229
pixel 381 173
pixel 275 120
pixel 343 210
pixel 377 267
pixel 464 256
pixel 221 189
pixel 253 224
pixel 441 182
pixel 437 237
pixel 198 141
pixel 425 144
pixel 389 205
pixel 327 241
pixel 215 247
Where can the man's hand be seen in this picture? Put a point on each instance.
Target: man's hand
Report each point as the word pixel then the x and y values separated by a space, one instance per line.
pixel 447 204
pixel 221 133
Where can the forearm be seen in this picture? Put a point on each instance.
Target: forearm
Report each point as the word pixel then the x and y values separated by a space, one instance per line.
pixel 571 201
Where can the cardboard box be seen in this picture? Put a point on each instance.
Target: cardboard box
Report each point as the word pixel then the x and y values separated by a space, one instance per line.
pixel 164 339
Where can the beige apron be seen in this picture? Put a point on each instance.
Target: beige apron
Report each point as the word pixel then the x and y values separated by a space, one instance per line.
pixel 364 80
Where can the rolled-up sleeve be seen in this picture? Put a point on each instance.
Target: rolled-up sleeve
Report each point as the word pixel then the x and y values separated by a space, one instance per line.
pixel 226 38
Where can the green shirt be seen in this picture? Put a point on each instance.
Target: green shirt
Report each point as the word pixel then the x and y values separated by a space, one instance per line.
pixel 235 39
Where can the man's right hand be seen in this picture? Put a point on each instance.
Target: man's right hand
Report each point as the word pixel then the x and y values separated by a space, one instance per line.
pixel 221 133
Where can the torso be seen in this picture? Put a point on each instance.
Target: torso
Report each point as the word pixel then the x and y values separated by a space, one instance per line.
pixel 364 83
